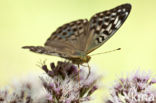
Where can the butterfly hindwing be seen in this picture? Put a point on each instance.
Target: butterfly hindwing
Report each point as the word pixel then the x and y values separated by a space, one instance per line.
pixel 104 24
pixel 46 50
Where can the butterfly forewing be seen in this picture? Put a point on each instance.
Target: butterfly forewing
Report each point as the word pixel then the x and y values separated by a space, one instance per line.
pixel 104 24
pixel 72 33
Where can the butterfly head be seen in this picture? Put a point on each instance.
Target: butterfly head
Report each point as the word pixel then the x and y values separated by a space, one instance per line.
pixel 85 59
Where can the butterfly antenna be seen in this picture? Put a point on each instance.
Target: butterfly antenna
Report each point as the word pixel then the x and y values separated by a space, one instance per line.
pixel 106 52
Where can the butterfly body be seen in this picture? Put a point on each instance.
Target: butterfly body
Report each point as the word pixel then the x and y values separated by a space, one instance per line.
pixel 80 60
pixel 75 40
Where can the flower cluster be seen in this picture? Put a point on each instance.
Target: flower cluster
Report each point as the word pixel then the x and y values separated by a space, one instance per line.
pixel 23 92
pixel 137 88
pixel 66 84
pixel 62 84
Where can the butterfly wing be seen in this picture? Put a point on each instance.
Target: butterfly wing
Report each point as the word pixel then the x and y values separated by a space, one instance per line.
pixel 72 34
pixel 80 37
pixel 103 25
pixel 47 51
pixel 65 41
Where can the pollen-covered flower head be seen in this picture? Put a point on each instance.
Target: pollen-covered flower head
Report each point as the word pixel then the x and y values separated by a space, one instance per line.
pixel 137 88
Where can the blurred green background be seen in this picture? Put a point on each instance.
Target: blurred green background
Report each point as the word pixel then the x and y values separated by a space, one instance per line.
pixel 31 22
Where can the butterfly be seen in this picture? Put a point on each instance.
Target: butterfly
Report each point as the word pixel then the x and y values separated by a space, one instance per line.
pixel 75 40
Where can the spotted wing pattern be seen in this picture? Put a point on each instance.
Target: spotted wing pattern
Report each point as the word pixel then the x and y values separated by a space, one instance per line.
pixel 73 33
pixel 80 37
pixel 46 50
pixel 103 25
pixel 66 41
pixel 69 31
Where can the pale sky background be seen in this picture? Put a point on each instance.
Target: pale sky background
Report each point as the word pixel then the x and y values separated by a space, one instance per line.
pixel 31 22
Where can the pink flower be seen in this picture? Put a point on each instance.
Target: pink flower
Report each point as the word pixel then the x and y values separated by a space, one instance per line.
pixel 134 89
pixel 65 87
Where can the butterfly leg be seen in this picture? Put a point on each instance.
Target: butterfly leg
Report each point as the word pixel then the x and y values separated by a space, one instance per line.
pixel 79 80
pixel 79 74
pixel 41 63
pixel 88 71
